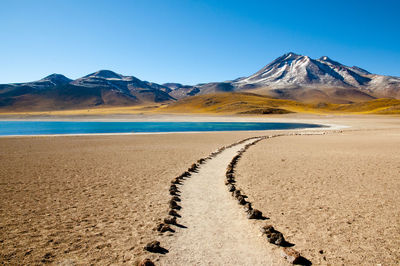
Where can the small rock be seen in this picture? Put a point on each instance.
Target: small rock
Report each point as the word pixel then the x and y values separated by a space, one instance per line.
pixel 146 262
pixel 193 168
pixel 176 198
pixel 153 246
pixel 186 174
pixel 276 238
pixel 291 255
pixel 236 193
pixel 173 213
pixel 247 206
pixel 254 214
pixel 164 228
pixel 229 169
pixel 242 200
pixel 173 205
pixel 170 220
pixel 267 229
pixel 229 175
pixel 176 181
pixel 231 188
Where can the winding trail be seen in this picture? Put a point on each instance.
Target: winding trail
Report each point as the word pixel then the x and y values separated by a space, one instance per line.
pixel 217 230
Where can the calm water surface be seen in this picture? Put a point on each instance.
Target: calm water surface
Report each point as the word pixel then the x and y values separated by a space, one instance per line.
pixel 10 128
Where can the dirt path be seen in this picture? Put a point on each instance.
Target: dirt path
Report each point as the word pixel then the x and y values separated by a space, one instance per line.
pixel 217 231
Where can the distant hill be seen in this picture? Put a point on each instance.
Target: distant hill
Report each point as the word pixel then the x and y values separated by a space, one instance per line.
pixel 249 103
pixel 291 77
pixel 102 88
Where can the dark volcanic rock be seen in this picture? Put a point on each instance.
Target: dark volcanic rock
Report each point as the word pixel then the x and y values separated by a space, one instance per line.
pixel 254 214
pixel 273 236
pixel 242 200
pixel 146 262
pixel 164 228
pixel 174 205
pixel 291 255
pixel 176 198
pixel 170 220
pixel 173 213
pixel 153 246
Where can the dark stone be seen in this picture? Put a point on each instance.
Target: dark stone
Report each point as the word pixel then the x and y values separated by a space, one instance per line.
pixel 254 214
pixel 247 206
pixel 273 236
pixel 164 228
pixel 153 246
pixel 170 220
pixel 291 255
pixel 173 213
pixel 229 175
pixel 267 229
pixel 176 198
pixel 242 200
pixel 174 205
pixel 276 238
pixel 186 174
pixel 146 262
pixel 193 168
pixel 231 188
pixel 176 181
pixel 236 193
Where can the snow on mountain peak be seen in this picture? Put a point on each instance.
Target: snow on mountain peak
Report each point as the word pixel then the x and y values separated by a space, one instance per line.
pixel 107 74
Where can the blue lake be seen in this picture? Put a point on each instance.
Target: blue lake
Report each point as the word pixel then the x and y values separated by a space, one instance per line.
pixel 10 128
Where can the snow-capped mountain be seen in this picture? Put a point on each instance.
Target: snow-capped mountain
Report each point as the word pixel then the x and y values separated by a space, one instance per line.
pixel 302 78
pixel 101 88
pixel 290 76
pixel 297 71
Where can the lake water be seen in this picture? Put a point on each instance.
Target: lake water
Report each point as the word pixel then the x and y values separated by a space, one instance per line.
pixel 10 128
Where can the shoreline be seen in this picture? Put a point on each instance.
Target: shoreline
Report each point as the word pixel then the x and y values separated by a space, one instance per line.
pixel 323 127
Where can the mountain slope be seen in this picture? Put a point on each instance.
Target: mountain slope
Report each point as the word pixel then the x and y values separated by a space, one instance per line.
pixel 102 88
pixel 249 103
pixel 302 78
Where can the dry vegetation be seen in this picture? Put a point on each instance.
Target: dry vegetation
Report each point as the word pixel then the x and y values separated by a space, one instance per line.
pixel 231 103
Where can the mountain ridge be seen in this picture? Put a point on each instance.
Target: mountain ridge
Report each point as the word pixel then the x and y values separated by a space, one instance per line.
pixel 290 76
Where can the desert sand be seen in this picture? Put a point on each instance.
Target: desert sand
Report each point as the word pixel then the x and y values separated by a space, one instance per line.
pixel 98 199
pixel 336 196
pixel 90 199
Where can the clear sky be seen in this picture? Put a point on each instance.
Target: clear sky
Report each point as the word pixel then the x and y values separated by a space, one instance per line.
pixel 191 41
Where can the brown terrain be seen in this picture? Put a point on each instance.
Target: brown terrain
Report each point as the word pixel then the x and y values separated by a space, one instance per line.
pixel 336 196
pixel 97 199
pixel 90 199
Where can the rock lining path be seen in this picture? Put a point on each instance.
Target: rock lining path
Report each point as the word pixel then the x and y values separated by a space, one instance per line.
pixel 217 230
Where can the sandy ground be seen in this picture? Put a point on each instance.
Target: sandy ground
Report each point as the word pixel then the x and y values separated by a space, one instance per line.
pixel 97 199
pixel 336 197
pixel 216 230
pixel 90 199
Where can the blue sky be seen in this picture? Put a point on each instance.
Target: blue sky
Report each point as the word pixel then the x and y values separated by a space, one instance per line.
pixel 190 41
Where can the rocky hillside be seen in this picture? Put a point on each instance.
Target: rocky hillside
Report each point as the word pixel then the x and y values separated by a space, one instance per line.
pixel 291 76
pixel 102 88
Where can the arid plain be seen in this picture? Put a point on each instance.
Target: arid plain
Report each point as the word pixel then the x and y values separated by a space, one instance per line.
pixel 97 199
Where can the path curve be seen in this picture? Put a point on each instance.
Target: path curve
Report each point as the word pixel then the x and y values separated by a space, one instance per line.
pixel 218 231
